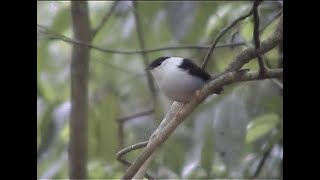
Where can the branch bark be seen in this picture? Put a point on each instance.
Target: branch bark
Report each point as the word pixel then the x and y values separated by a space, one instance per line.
pixel 79 91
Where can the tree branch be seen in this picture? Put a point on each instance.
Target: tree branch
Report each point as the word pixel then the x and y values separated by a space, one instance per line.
pixel 57 36
pixel 105 18
pixel 79 92
pixel 220 34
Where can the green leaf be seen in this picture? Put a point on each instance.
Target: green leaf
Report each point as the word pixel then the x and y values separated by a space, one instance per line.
pixel 261 126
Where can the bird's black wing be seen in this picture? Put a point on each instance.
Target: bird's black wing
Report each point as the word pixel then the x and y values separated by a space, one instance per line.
pixel 194 70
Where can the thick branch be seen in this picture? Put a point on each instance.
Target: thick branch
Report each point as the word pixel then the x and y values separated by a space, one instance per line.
pixel 220 34
pixel 79 92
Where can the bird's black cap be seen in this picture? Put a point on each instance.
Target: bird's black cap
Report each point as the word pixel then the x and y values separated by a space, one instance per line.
pixel 156 62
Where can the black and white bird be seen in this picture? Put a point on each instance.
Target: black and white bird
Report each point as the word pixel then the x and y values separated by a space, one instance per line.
pixel 178 78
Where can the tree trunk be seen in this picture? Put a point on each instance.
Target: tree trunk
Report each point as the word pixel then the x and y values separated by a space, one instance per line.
pixel 79 91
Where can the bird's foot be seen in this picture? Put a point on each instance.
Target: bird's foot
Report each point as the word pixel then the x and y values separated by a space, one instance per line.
pixel 198 95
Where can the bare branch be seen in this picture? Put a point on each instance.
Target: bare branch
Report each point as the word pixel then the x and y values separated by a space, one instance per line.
pixel 57 36
pixel 129 149
pixel 220 34
pixel 79 71
pixel 105 18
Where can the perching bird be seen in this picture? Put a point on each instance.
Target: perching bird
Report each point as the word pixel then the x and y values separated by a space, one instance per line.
pixel 178 78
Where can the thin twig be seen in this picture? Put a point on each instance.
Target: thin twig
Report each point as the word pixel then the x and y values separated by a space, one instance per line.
pixel 256 35
pixel 144 54
pixel 275 138
pixel 144 113
pixel 261 163
pixel 129 149
pixel 220 34
pixel 64 38
pixel 105 18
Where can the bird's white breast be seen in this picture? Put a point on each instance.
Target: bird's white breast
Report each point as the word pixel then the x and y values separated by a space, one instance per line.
pixel 176 83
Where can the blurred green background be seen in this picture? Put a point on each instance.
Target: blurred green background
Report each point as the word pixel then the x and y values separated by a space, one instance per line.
pixel 230 135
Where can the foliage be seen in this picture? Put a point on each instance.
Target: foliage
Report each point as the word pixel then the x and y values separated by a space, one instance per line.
pixel 118 88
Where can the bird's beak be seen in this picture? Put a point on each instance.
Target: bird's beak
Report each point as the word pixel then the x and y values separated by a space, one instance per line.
pixel 148 68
